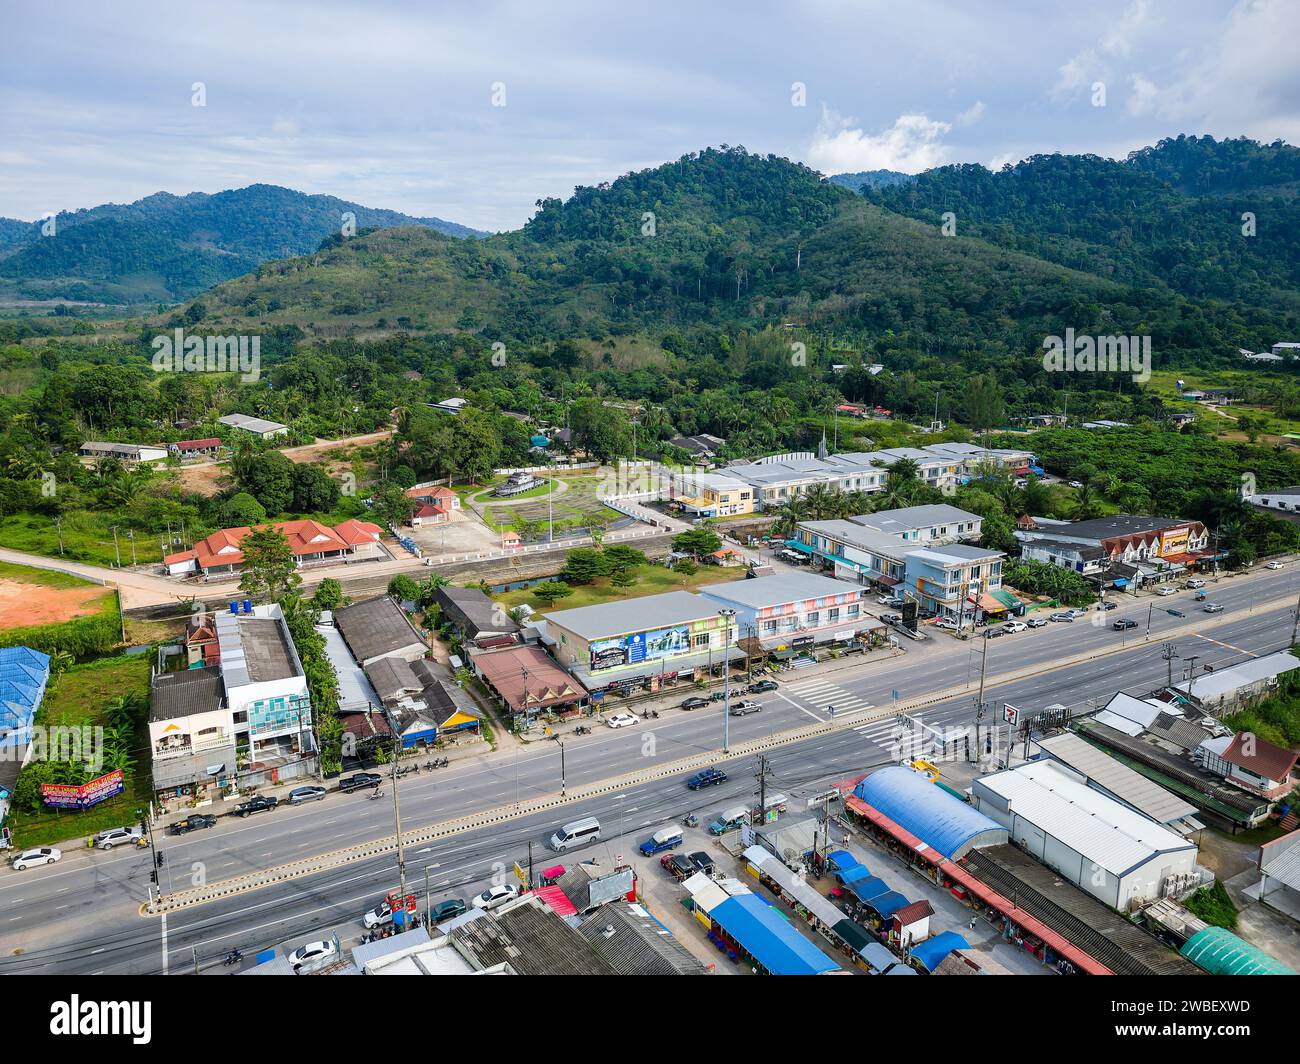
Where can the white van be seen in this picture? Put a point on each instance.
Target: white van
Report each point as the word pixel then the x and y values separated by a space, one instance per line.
pixel 579 833
pixel 1194 583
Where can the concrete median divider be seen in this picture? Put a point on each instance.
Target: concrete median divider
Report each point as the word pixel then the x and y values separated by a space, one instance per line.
pixel 226 888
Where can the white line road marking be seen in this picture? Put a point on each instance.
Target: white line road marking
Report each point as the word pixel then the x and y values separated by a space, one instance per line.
pixel 164 943
pixel 802 709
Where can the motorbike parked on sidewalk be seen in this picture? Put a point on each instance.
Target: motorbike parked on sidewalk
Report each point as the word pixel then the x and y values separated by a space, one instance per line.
pixel 582 729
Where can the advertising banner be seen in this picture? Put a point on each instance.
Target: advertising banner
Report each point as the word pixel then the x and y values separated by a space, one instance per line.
pixel 66 796
pixel 640 646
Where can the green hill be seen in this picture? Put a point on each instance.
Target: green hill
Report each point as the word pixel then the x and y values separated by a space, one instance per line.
pixel 1170 216
pixel 166 248
pixel 725 238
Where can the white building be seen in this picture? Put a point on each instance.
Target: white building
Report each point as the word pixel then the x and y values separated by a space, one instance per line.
pixel 257 426
pixel 1101 846
pixel 248 715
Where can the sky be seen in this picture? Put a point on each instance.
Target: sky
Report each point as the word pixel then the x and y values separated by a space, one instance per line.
pixel 473 111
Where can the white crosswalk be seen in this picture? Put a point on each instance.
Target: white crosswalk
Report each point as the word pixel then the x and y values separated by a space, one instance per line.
pixel 823 694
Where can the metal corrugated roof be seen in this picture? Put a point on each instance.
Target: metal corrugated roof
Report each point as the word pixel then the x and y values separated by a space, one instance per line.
pixel 1136 790
pixel 1222 682
pixel 634 615
pixel 918 806
pixel 1109 834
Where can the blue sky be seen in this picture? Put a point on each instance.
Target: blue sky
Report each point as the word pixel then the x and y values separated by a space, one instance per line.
pixel 392 104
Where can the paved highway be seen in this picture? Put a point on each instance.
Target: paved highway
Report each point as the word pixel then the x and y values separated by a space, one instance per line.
pixel 82 915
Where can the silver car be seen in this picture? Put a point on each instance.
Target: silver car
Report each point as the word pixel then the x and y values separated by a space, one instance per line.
pixel 305 794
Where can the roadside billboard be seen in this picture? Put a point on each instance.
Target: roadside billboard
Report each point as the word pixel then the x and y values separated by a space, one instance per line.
pixel 68 796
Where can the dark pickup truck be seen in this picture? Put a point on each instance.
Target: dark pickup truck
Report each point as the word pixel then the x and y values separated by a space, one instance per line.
pixel 192 823
pixel 255 805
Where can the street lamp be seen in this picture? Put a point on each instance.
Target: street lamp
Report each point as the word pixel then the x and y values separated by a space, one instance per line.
pixel 726 615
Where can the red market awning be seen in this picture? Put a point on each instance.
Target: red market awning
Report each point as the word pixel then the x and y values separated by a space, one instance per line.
pixel 1058 943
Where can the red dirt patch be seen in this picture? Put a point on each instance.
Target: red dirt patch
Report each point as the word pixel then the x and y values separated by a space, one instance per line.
pixel 22 604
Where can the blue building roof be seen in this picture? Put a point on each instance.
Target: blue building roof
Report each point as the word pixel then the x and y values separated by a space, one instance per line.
pixel 932 951
pixel 769 938
pixel 24 673
pixel 888 903
pixel 930 813
pixel 867 888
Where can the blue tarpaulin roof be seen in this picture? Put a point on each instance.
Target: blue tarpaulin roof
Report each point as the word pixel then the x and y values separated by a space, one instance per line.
pixel 768 938
pixel 933 950
pixel 888 903
pixel 841 859
pixel 871 887
pixel 852 875
pixel 915 804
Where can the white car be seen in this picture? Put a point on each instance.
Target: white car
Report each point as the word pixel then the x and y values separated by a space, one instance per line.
pixel 622 720
pixel 1015 626
pixel 1036 622
pixel 1213 607
pixel 313 952
pixel 1273 565
pixel 35 858
pixel 946 625
pixel 380 914
pixel 1076 483
pixel 1162 592
pixel 498 895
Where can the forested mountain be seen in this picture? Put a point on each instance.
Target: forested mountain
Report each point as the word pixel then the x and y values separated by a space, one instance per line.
pixel 727 239
pixel 870 179
pixel 164 248
pixel 1176 215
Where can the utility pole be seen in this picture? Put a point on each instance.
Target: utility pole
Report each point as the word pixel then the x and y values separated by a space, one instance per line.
pixel 58 531
pixel 1150 610
pixel 130 534
pixel 560 743
pixel 726 615
pixel 979 702
pixel 397 821
pixel 428 903
pixel 116 548
pixel 1295 623
pixel 762 786
pixel 1191 673
pixel 1169 653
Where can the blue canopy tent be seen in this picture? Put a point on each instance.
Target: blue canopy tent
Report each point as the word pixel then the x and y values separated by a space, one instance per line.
pixel 866 889
pixel 840 860
pixel 888 903
pixel 933 950
pixel 767 937
pixel 852 875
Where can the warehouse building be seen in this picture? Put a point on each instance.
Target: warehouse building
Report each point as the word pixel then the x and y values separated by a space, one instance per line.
pixel 1102 772
pixel 1100 845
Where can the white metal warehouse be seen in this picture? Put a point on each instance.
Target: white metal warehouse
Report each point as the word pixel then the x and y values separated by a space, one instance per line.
pixel 1099 844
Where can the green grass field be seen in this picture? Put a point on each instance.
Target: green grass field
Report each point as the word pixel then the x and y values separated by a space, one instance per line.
pixel 87 537
pixel 650 580
pixel 77 699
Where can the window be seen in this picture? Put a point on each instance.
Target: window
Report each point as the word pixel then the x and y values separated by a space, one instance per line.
pixel 700 641
pixel 832 616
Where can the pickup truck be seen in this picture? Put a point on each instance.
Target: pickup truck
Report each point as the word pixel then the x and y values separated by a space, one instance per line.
pixel 255 805
pixel 195 822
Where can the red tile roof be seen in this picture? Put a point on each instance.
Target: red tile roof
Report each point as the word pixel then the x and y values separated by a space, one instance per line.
pixel 435 492
pixel 305 537
pixel 1262 758
pixel 909 914
pixel 194 445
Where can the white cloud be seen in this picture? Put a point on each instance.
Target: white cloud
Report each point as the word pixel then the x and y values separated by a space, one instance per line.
pixel 972 114
pixel 1099 62
pixel 1143 99
pixel 911 144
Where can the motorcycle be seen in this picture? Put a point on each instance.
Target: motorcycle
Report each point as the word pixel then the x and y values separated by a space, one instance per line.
pixel 375 796
pixel 233 957
pixel 582 729
pixel 691 820
pixel 653 713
